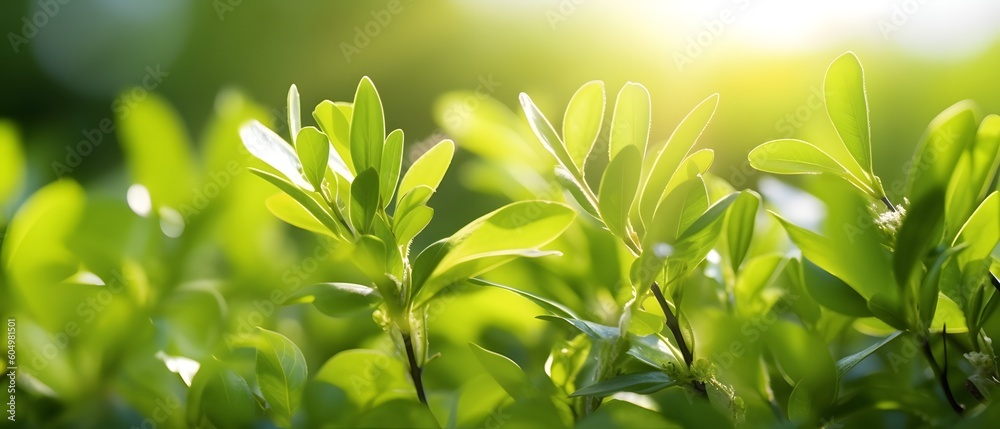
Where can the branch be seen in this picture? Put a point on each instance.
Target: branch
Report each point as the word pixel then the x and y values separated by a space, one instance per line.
pixel 942 374
pixel 415 370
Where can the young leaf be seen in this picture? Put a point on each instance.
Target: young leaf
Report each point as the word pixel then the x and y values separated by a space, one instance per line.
pixel 981 232
pixel 790 156
pixel 833 292
pixel 517 229
pixel 227 400
pixel 367 127
pixel 506 373
pixel 429 169
pixel 643 383
pixel 618 187
pixel 284 207
pixel 547 135
pixel 593 330
pixel 281 373
pixel 672 154
pixel 294 113
pixel 946 138
pixel 412 223
pixel 740 226
pixel 392 161
pixel 12 166
pixel 582 122
pixel 847 363
pixel 364 199
pixel 549 305
pixel 631 120
pixel 335 121
pixel 307 201
pixel 847 106
pixel 336 299
pixel 582 197
pixel 677 211
pixel 313 150
pixel 274 151
pixel 974 174
pixel 696 164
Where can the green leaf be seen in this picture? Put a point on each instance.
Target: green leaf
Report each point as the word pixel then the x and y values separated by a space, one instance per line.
pixel 620 414
pixel 921 231
pixel 284 207
pixel 847 363
pixel 367 127
pixel 974 174
pixel 580 194
pixel 367 377
pixel 281 374
pixel 847 105
pixel 618 188
pixel 429 169
pixel 398 413
pixel 832 292
pixel 643 383
pixel 676 213
pixel 159 151
pixel 582 121
pixel 227 400
pixel 307 201
pixel 335 121
pixel 593 330
pixel 697 241
pixel 673 153
pixel 517 229
pixel 407 227
pixel 336 299
pixel 364 199
pixel 507 373
pixel 392 161
pixel 313 150
pixel 940 148
pixel 274 151
pixel 930 287
pixel 981 232
pixel 12 166
pixel 740 226
pixel 696 164
pixel 631 120
pixel 294 114
pixel 790 156
pixel 549 305
pixel 547 135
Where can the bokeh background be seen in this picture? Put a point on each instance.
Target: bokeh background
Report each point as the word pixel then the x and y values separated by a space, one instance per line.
pixel 68 66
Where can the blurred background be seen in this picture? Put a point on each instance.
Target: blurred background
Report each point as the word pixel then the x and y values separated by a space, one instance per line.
pixel 75 71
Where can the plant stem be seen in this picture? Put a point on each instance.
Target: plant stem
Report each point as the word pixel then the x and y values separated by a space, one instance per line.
pixel 675 328
pixel 942 375
pixel 889 204
pixel 415 369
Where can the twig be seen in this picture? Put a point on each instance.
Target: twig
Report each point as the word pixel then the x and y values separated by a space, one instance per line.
pixel 415 370
pixel 675 328
pixel 942 374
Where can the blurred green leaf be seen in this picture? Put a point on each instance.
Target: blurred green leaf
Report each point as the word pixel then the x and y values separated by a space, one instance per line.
pixel 946 138
pixel 336 299
pixel 429 169
pixel 642 383
pixel 392 161
pixel 593 330
pixel 313 150
pixel 281 374
pixel 672 154
pixel 398 413
pixel 364 199
pixel 227 400
pixel 981 232
pixel 368 377
pixel 676 213
pixel 158 151
pixel 832 292
pixel 974 174
pixel 582 121
pixel 620 414
pixel 631 121
pixel 367 127
pixel 506 372
pixel 274 151
pixel 618 188
pixel 12 166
